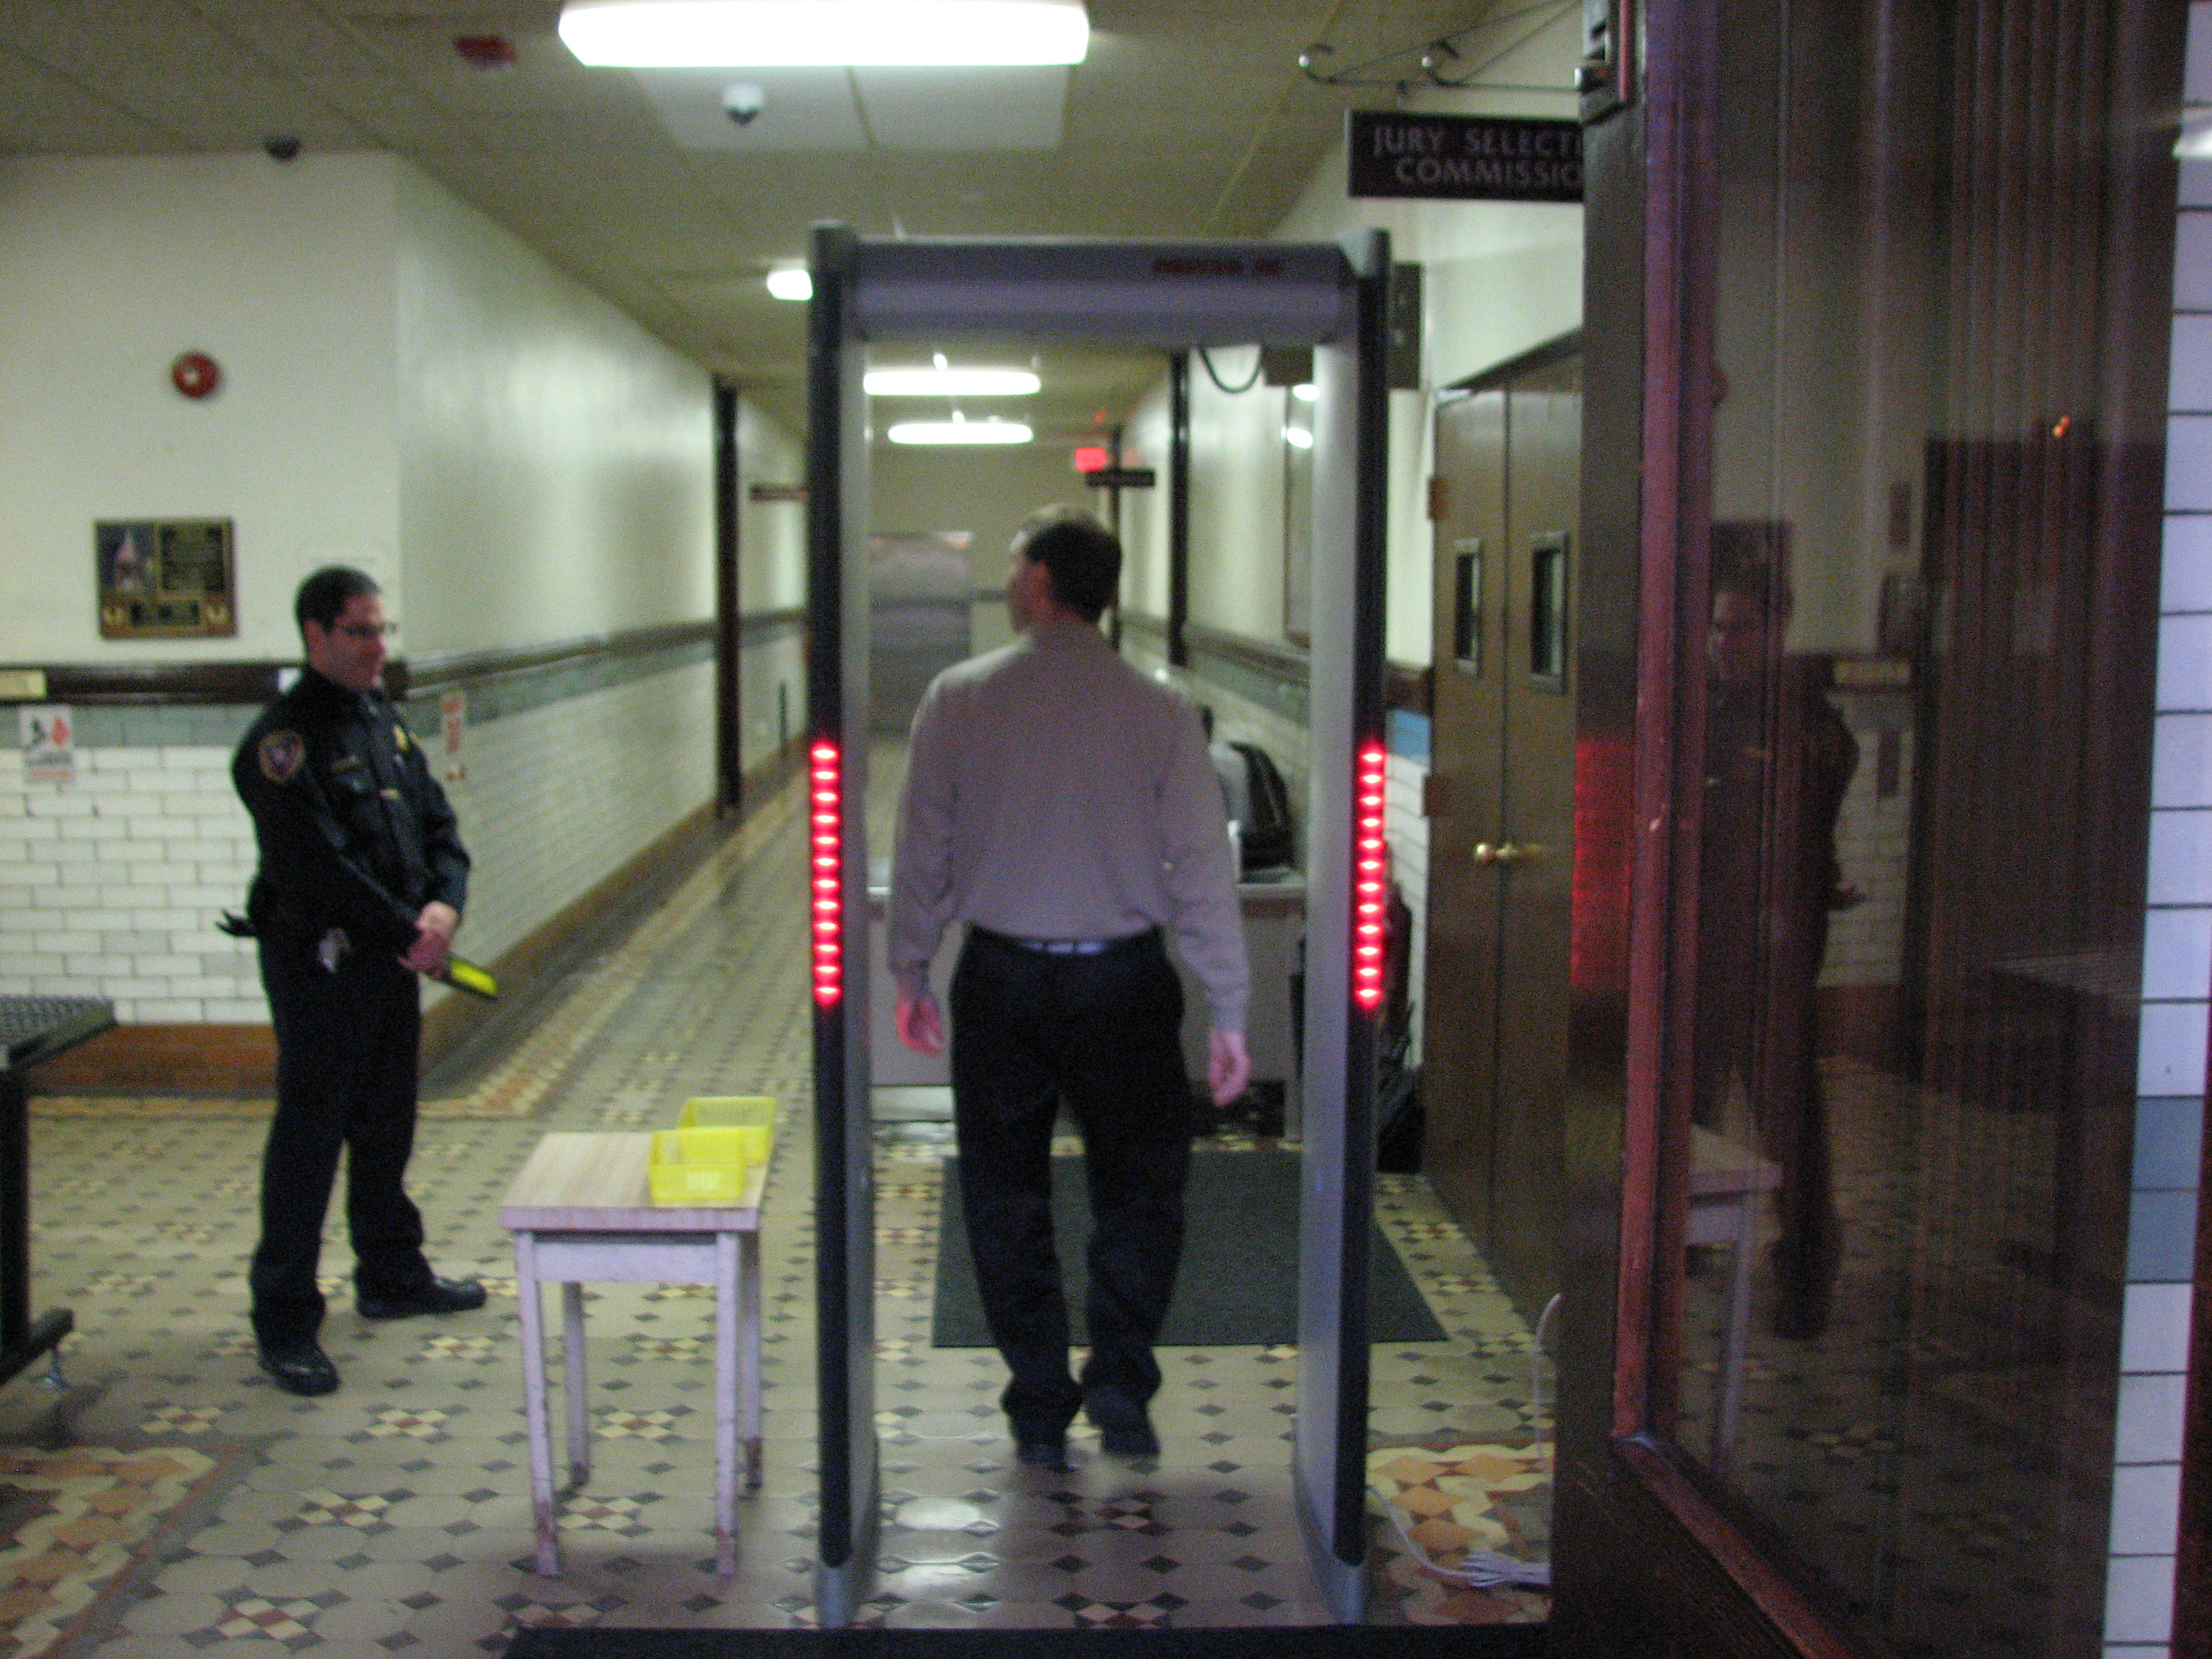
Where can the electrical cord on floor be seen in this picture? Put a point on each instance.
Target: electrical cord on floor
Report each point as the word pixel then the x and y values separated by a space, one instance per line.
pixel 1537 1383
pixel 1488 1569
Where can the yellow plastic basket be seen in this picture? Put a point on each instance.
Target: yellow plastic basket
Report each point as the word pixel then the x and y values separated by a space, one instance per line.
pixel 751 1115
pixel 698 1167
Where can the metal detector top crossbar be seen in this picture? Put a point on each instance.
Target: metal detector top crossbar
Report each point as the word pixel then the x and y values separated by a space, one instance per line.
pixel 1173 295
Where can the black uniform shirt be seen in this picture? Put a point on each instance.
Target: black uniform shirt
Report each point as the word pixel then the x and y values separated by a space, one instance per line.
pixel 354 831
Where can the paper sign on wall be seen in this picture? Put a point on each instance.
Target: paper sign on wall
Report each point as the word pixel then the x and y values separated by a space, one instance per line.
pixel 453 727
pixel 48 732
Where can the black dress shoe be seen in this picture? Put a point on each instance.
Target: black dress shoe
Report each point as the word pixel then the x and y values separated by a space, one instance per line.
pixel 304 1371
pixel 1125 1429
pixel 1042 1453
pixel 439 1296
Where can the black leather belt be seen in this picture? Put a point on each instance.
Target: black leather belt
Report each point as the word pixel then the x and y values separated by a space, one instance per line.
pixel 1066 947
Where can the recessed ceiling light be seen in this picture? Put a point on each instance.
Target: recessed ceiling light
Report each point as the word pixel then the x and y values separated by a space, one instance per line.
pixel 1306 392
pixel 1297 437
pixel 771 34
pixel 950 383
pixel 959 432
pixel 790 282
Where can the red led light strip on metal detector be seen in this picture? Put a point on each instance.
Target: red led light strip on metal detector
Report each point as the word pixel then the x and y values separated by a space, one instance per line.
pixel 1371 879
pixel 825 786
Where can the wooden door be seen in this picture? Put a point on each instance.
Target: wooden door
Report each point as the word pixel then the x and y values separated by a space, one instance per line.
pixel 1459 1054
pixel 1534 850
pixel 1875 337
pixel 1502 812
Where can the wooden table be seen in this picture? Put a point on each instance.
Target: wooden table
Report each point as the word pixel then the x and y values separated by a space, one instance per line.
pixel 32 1029
pixel 581 1212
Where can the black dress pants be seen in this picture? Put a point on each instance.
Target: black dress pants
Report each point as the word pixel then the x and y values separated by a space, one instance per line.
pixel 1104 1032
pixel 346 1057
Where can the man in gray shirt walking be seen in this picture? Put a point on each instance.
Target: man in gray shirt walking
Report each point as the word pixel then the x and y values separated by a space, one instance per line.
pixel 1067 809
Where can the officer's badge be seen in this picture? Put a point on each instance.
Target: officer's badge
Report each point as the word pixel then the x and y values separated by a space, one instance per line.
pixel 281 755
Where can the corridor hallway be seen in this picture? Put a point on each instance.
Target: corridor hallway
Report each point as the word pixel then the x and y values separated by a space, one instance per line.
pixel 172 1501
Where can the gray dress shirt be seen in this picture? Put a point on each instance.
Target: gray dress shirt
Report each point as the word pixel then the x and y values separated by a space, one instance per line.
pixel 1055 793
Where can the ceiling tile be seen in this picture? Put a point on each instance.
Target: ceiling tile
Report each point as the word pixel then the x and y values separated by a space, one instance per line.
pixel 43 112
pixel 964 110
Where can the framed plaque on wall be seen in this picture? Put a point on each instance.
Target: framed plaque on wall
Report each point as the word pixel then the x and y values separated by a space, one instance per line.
pixel 165 579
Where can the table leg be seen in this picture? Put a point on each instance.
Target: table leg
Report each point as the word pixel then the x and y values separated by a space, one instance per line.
pixel 533 1404
pixel 577 1384
pixel 1728 1414
pixel 749 1334
pixel 725 1404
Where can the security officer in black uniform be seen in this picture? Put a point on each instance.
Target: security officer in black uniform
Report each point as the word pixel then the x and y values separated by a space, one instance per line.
pixel 361 883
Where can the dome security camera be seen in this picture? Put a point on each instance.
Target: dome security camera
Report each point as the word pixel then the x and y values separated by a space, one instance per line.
pixel 743 101
pixel 281 146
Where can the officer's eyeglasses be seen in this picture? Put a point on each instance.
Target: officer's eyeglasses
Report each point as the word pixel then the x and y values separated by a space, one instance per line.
pixel 366 630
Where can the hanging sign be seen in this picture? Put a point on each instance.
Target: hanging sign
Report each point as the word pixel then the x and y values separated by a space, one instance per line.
pixel 48 735
pixel 1121 477
pixel 1464 158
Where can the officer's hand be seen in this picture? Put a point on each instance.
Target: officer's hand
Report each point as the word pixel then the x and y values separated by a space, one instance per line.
pixel 921 1024
pixel 1229 1068
pixel 434 937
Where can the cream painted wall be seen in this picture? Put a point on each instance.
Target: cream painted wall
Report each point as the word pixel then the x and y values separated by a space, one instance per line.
pixel 771 577
pixel 771 535
pixel 1237 497
pixel 110 267
pixel 556 460
pixel 1145 512
pixel 1498 279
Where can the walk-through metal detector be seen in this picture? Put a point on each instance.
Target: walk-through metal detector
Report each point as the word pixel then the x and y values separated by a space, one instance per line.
pixel 1174 295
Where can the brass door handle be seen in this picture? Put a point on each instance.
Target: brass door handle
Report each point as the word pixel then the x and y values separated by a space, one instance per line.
pixel 1504 853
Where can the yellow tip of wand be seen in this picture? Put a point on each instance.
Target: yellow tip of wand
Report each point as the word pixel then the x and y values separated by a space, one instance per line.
pixel 467 976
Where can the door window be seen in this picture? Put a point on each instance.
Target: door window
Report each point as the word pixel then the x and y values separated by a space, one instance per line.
pixel 1467 603
pixel 1899 1162
pixel 1547 610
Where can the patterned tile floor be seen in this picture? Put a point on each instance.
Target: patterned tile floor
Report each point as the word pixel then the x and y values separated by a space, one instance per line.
pixel 394 1516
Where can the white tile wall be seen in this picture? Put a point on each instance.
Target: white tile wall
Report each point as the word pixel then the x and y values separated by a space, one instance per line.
pixel 2178 931
pixel 559 798
pixel 111 886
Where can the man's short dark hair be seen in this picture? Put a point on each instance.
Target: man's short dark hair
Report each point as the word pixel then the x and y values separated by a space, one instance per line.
pixel 1082 554
pixel 323 595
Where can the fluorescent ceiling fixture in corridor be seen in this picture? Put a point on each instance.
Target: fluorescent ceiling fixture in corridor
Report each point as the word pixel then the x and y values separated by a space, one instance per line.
pixel 950 383
pixel 959 432
pixel 792 282
pixel 851 34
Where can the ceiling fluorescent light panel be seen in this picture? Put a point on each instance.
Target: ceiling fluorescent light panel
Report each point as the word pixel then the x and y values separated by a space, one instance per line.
pixel 960 432
pixel 950 383
pixel 845 33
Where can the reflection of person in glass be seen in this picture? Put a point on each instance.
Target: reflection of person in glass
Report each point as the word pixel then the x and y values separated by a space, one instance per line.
pixel 1777 761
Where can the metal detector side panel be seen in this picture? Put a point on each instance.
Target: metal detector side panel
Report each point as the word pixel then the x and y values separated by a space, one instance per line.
pixel 1337 1193
pixel 844 1154
pixel 1169 294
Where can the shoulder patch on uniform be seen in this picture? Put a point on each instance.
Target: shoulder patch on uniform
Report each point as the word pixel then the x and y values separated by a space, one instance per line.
pixel 281 754
pixel 399 737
